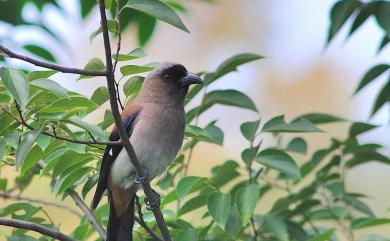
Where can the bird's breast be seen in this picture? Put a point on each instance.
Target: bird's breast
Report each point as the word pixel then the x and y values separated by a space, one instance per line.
pixel 156 138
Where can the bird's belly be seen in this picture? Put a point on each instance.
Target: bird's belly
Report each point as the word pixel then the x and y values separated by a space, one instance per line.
pixel 155 151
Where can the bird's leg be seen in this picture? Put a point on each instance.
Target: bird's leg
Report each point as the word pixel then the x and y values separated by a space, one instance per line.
pixel 155 204
pixel 143 179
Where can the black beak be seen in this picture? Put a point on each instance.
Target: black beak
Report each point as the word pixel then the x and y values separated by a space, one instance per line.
pixel 191 79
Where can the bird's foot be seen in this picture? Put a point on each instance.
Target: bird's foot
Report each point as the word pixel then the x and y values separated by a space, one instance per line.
pixel 155 204
pixel 143 179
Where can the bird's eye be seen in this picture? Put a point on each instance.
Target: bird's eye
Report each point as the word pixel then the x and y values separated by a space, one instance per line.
pixel 167 76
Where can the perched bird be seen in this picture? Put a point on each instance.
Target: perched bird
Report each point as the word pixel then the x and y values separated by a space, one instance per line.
pixel 155 123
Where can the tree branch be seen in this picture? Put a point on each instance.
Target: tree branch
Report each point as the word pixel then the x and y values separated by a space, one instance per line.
pixel 8 195
pixel 153 198
pixel 80 203
pixel 23 122
pixel 141 221
pixel 62 69
pixel 35 227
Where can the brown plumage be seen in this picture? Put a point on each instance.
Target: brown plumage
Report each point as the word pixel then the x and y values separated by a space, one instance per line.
pixel 155 122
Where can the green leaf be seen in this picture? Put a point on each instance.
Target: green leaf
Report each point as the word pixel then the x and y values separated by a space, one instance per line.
pixel 108 120
pixel 193 204
pixel 2 148
pixel 94 64
pixel 187 235
pixel 200 134
pixel 246 199
pixel 34 155
pixel 358 205
pixel 134 69
pixel 92 181
pixel 219 205
pixel 230 98
pixel 277 124
pixel 339 14
pixel 39 51
pixel 372 74
pixel 25 145
pixel 280 161
pixel 188 185
pixel 51 86
pixel 134 54
pixel 328 213
pixel 248 129
pixel 158 10
pixel 70 179
pixel 234 224
pixel 277 226
pixel 367 222
pixel 358 128
pixel 111 24
pixel 382 15
pixel 384 42
pixel 248 155
pixel 133 85
pixel 40 74
pixel 43 141
pixel 16 83
pixel 100 95
pixel 298 145
pixel 324 236
pixel 382 98
pixel 363 15
pixel 320 118
pixel 230 65
pixel 96 131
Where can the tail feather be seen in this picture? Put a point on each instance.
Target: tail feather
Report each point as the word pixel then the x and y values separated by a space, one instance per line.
pixel 121 228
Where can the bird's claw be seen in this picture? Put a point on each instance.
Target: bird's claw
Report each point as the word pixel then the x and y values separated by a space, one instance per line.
pixel 155 204
pixel 143 179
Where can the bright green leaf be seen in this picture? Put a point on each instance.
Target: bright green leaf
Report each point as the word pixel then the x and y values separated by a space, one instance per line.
pixel 39 51
pixel 100 95
pixel 188 184
pixel 134 54
pixel 25 145
pixel 134 69
pixel 51 86
pixel 246 199
pixel 40 74
pixel 366 222
pixel 133 85
pixel 16 83
pixel 94 64
pixel 219 205
pixel 280 161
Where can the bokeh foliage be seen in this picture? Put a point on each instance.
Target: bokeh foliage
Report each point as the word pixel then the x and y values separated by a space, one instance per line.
pixel 314 203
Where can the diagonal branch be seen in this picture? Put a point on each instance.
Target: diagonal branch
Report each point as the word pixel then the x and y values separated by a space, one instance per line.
pixel 141 221
pixel 62 69
pixel 35 227
pixel 153 198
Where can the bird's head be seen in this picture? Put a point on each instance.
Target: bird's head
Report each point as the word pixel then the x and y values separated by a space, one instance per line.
pixel 169 80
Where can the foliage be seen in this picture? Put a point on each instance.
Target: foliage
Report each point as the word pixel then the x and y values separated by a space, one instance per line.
pixel 36 111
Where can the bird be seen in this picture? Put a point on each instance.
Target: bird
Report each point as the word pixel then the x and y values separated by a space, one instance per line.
pixel 155 123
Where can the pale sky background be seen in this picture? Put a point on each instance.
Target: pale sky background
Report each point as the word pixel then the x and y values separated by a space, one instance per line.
pixel 299 74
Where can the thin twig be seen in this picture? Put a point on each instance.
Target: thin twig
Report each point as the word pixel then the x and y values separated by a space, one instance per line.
pixel 54 134
pixel 35 227
pixel 8 195
pixel 140 171
pixel 95 223
pixel 62 69
pixel 141 221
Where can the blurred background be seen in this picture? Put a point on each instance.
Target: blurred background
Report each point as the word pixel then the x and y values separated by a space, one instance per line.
pixel 300 73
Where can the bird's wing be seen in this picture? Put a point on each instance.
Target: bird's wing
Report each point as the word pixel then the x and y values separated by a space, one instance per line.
pixel 129 117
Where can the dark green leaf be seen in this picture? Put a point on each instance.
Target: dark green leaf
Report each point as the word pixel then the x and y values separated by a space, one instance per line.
pixel 277 226
pixel 228 97
pixel 134 54
pixel 16 83
pixel 320 118
pixel 158 10
pixel 100 95
pixel 25 145
pixel 248 155
pixel 278 124
pixel 358 128
pixel 372 74
pixel 328 213
pixel 219 207
pixel 187 235
pixel 382 15
pixel 384 42
pixel 298 145
pixel 382 98
pixel 363 15
pixel 193 204
pixel 246 199
pixel 339 14
pixel 111 25
pixel 93 64
pixel 358 205
pixel 248 129
pixel 51 86
pixel 280 161
pixel 366 222
pixel 39 51
pixel 223 174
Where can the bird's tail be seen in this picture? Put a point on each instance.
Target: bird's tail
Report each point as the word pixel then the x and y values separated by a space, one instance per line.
pixel 120 228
